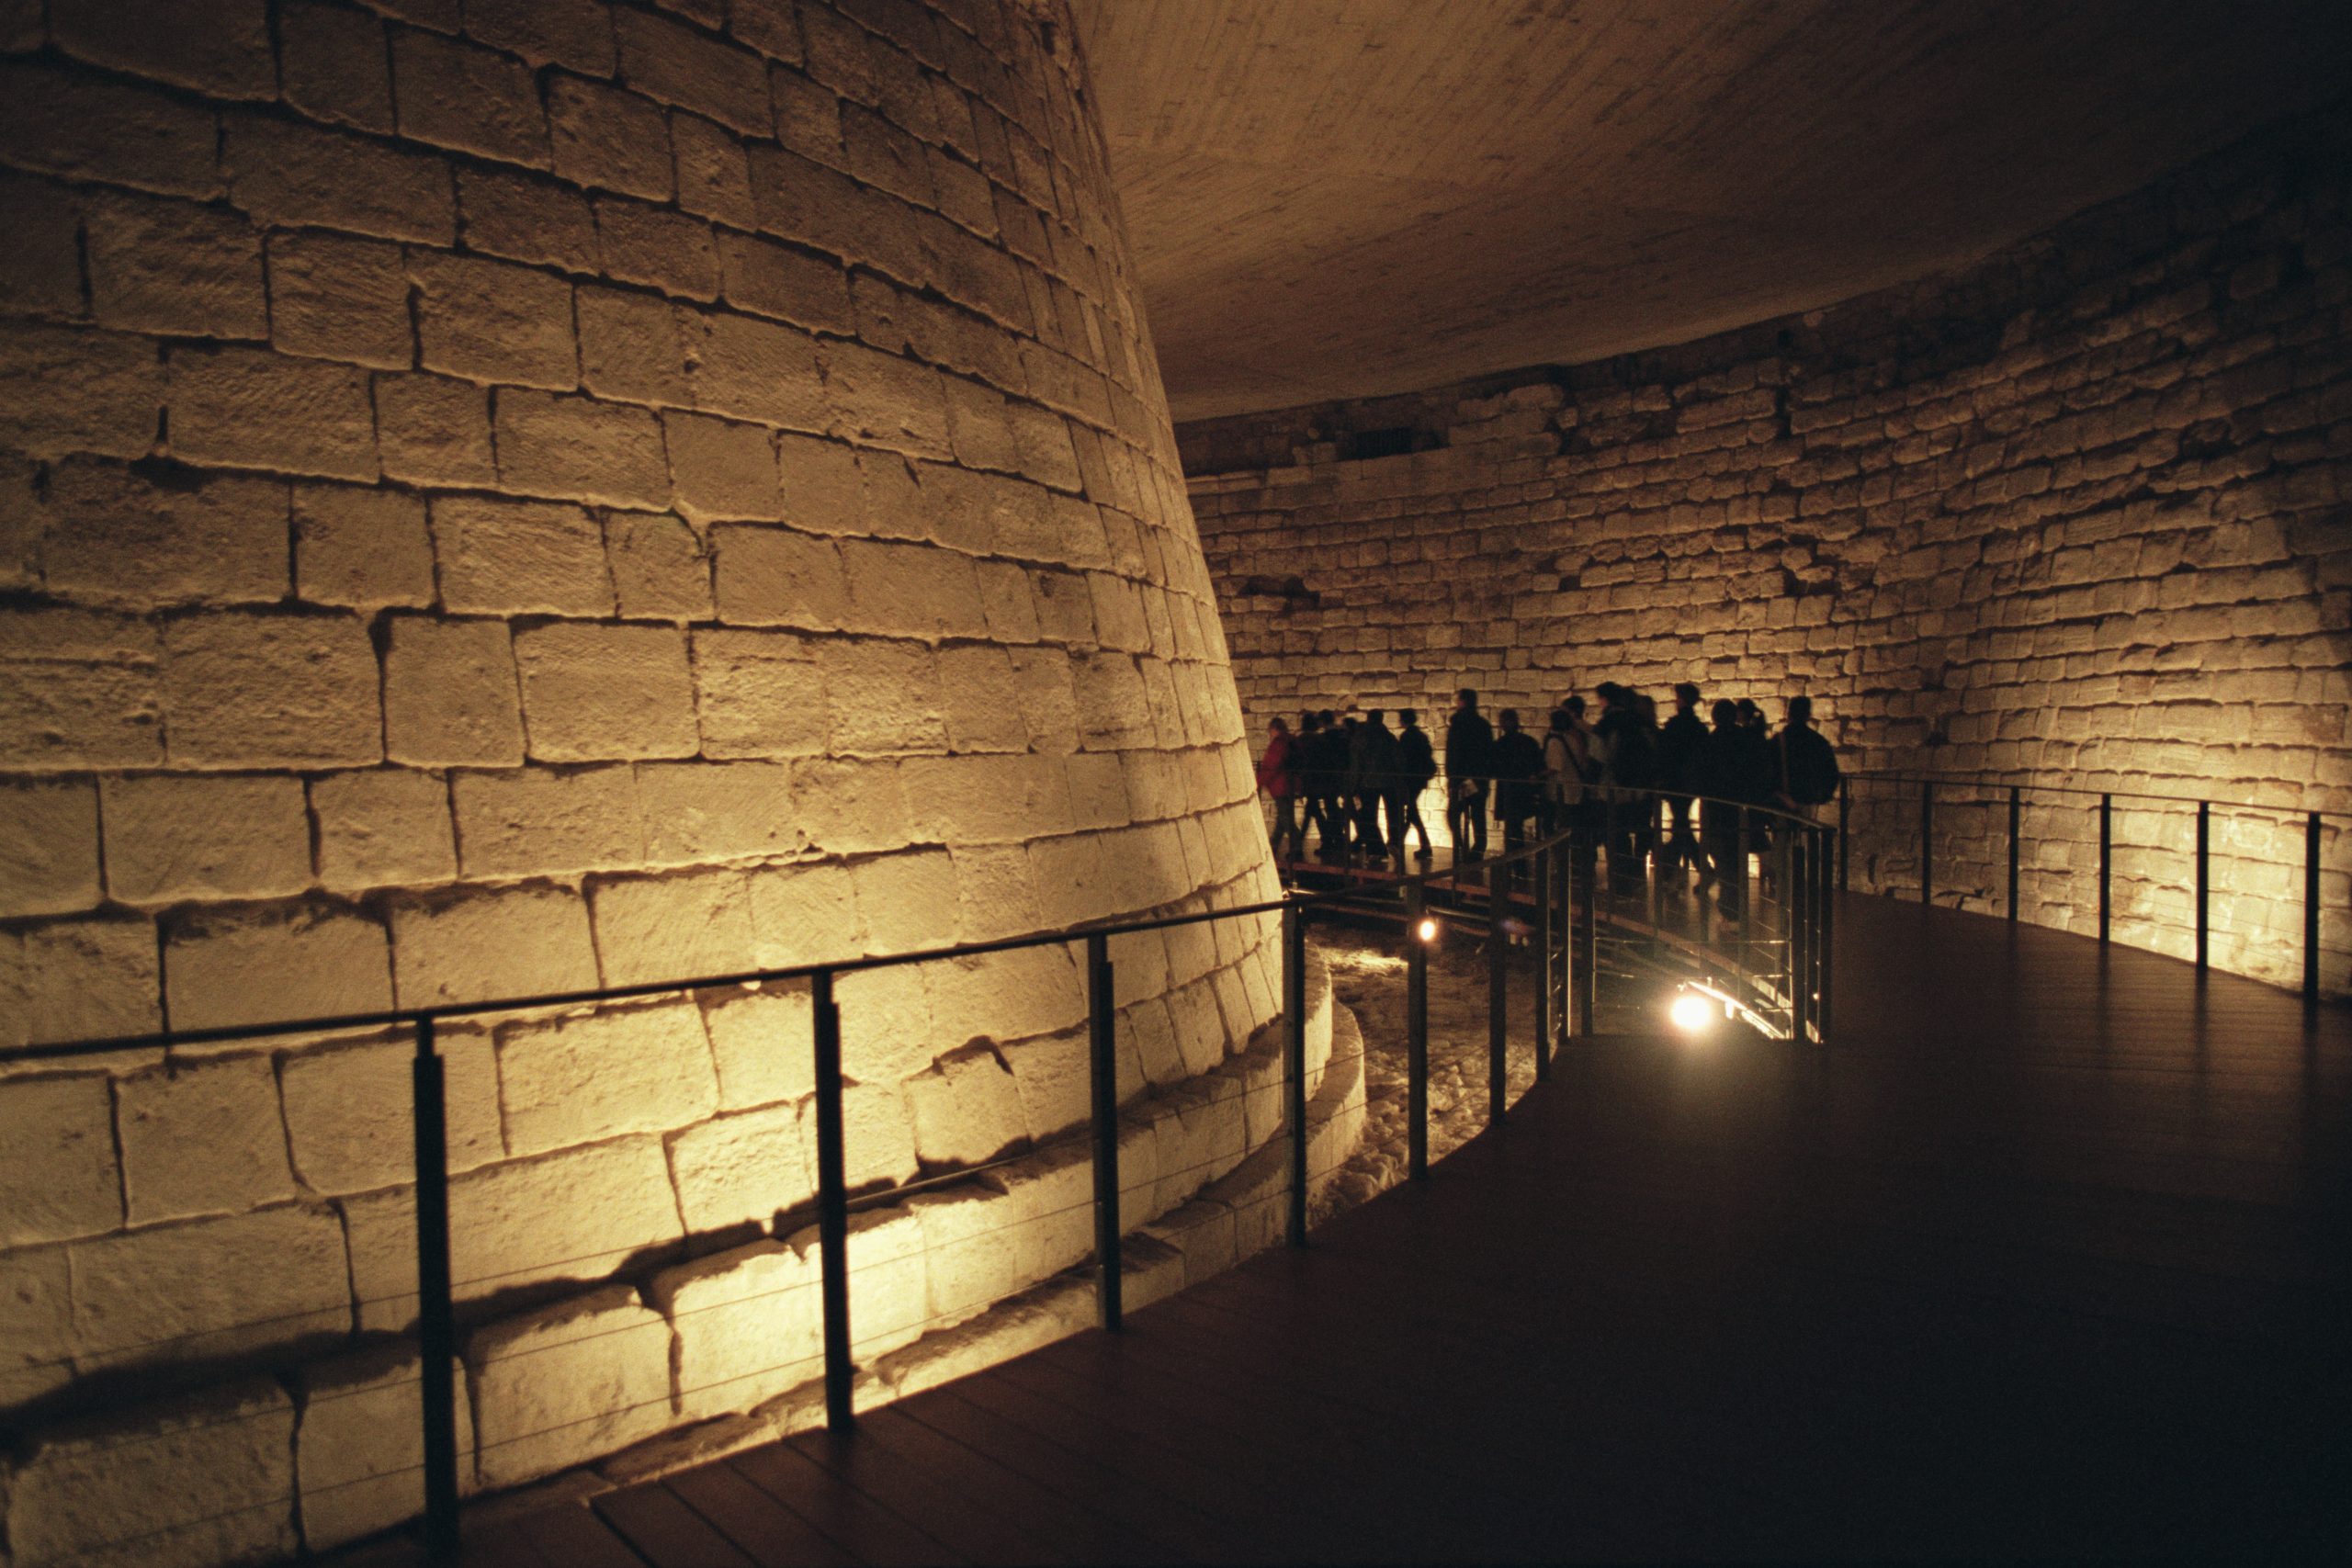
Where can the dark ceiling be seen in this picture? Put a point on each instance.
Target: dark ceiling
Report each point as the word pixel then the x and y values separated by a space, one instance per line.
pixel 1335 199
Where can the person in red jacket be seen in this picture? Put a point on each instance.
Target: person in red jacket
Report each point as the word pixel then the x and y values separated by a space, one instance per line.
pixel 1278 776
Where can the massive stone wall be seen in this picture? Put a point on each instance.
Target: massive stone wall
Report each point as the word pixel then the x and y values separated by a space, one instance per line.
pixel 520 495
pixel 2078 514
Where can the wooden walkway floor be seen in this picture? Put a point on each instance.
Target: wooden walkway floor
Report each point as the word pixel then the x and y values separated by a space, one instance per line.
pixel 2049 1253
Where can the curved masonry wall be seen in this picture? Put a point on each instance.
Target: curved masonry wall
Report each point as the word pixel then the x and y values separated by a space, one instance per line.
pixel 537 494
pixel 2076 513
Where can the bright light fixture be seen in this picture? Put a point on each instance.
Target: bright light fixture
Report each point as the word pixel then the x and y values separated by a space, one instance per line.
pixel 1690 1011
pixel 1427 930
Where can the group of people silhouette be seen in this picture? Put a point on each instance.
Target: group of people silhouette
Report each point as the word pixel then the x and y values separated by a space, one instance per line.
pixel 1358 784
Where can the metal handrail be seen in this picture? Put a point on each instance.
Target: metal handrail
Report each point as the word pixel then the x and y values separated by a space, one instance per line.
pixel 1555 865
pixel 2001 782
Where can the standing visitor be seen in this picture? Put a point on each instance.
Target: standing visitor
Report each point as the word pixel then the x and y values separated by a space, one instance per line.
pixel 1678 756
pixel 1804 763
pixel 1469 745
pixel 1518 774
pixel 1416 765
pixel 1278 776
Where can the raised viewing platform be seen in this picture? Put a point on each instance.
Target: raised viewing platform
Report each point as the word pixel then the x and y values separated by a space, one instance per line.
pixel 2045 1253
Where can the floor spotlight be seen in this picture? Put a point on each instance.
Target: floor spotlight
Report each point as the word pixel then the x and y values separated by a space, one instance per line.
pixel 1691 1013
pixel 1425 930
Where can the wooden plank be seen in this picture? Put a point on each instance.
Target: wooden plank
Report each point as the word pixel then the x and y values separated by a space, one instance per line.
pixel 571 1534
pixel 974 1480
pixel 665 1531
pixel 765 1529
pixel 846 1517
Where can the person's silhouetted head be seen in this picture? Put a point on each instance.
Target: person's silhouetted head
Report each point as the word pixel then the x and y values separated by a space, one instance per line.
pixel 1800 712
pixel 1466 700
pixel 1726 713
pixel 1376 717
pixel 1562 718
pixel 1749 714
pixel 1509 718
pixel 1574 707
pixel 1307 722
pixel 1279 727
pixel 1407 716
pixel 1327 718
pixel 1686 697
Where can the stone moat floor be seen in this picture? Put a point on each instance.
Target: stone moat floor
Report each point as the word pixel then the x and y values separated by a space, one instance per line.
pixel 1368 972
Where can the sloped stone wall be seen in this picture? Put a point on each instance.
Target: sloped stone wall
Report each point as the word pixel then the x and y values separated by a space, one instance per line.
pixel 526 494
pixel 2078 514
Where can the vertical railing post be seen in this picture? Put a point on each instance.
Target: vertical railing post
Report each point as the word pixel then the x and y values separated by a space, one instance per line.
pixel 1498 1002
pixel 2311 908
pixel 1823 1011
pixel 1587 855
pixel 1845 805
pixel 1744 825
pixel 1564 891
pixel 1103 1059
pixel 2106 864
pixel 1927 840
pixel 1417 1035
pixel 2204 882
pixel 1294 1062
pixel 1792 923
pixel 1542 922
pixel 833 1204
pixel 1800 918
pixel 2017 821
pixel 437 1313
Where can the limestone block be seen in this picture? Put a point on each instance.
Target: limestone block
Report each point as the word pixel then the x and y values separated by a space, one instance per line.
pixel 853 807
pixel 824 487
pixel 982 699
pixel 79 688
pixel 775 576
pixel 994 895
pixel 608 138
pixel 1008 996
pixel 49 846
pixel 760 371
pixel 339 299
pixel 591 1076
pixel 769 279
pixel 580 449
pixel 912 590
pixel 569 34
pixel 273 965
pixel 1200 1025
pixel 722 469
pixel 566 1383
pixel 479 944
pixel 686 926
pixel 172 269
pixel 591 691
pixel 759 694
pixel 115 537
pixel 66 389
pixel 884 696
pixel 966 1110
pixel 240 1283
pixel 247 408
pixel 1044 1218
pixel 1053 1075
pixel 581 1214
pixel 538 821
pixel 1007 600
pixel 78 980
pixel 749 1324
pixel 745 1170
pixel 58 1178
pixel 907 901
pixel 349 1109
pixel 887 1026
pixel 715 180
pixel 699 812
pixel 1203 1232
pixel 205 1139
pixel 36 1323
pixel 203 1477
pixel 381 828
pixel 491 321
pixel 761 1043
pixel 1048 698
pixel 1201 1135
pixel 271 691
pixel 1154 1033
pixel 366 548
pixel 175 837
pixel 987 799
pixel 431 429
pixel 519 558
pixel 634 347
pixel 450 693
pixel 660 247
pixel 359 1448
pixel 804 914
pixel 661 568
pixel 878 1145
pixel 889 1283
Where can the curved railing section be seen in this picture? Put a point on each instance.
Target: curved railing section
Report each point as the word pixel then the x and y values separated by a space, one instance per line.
pixel 1576 896
pixel 2259 890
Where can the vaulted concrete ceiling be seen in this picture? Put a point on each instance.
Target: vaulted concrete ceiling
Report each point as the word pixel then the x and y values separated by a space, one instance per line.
pixel 1343 197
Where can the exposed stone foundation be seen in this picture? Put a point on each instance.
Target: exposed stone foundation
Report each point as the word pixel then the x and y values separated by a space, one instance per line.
pixel 535 494
pixel 2076 514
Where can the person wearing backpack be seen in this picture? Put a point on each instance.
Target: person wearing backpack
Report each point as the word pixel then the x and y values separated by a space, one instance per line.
pixel 1804 763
